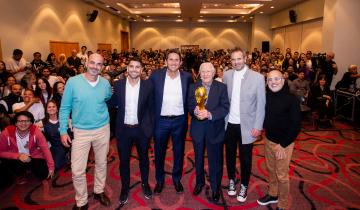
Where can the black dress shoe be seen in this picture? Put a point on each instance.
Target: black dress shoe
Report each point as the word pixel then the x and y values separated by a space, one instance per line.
pixel 102 198
pixel 123 196
pixel 198 189
pixel 215 197
pixel 84 207
pixel 146 190
pixel 158 188
pixel 178 187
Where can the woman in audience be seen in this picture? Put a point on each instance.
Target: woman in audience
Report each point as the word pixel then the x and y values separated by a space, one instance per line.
pixel 52 63
pixel 58 92
pixel 43 90
pixel 6 90
pixel 23 147
pixel 52 134
pixel 64 69
pixel 28 81
pixel 31 104
pixel 3 76
pixel 321 102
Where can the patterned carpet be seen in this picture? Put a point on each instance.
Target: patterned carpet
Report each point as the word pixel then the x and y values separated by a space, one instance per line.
pixel 324 172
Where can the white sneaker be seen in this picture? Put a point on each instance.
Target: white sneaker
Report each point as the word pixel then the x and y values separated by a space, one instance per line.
pixel 241 197
pixel 232 188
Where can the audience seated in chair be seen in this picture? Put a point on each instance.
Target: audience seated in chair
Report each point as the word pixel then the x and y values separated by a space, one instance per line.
pixel 321 102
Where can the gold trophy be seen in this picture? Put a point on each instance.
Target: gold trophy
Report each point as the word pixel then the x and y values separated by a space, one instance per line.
pixel 201 96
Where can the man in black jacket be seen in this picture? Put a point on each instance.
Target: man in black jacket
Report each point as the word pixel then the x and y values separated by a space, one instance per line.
pixel 282 125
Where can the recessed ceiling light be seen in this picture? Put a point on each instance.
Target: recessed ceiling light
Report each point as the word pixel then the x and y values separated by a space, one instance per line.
pixel 236 5
pixel 261 12
pixel 107 6
pixel 272 7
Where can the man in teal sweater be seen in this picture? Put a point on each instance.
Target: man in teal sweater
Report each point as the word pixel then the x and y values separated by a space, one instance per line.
pixel 85 96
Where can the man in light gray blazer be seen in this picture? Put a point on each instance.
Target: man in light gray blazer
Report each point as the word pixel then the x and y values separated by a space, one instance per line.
pixel 246 90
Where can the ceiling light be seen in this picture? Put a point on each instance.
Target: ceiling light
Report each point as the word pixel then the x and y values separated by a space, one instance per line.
pixel 179 20
pixel 272 7
pixel 201 20
pixel 261 12
pixel 251 17
pixel 107 6
pixel 216 5
pixel 237 5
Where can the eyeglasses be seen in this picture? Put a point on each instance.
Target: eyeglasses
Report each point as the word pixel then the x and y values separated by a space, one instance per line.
pixel 274 79
pixel 23 121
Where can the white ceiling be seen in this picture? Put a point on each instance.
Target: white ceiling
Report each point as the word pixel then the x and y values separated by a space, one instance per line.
pixel 192 10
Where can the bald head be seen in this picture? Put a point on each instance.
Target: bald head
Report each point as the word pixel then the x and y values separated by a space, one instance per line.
pixel 353 69
pixel 275 80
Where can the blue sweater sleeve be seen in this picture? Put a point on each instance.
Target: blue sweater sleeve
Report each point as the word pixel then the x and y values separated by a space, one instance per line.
pixel 65 108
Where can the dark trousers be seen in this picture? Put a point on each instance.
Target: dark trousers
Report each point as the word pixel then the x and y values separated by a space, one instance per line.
pixel 176 129
pixel 215 162
pixel 59 155
pixel 37 166
pixel 124 145
pixel 232 138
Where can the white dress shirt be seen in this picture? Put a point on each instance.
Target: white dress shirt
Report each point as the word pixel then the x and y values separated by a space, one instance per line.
pixel 172 103
pixel 131 103
pixel 234 114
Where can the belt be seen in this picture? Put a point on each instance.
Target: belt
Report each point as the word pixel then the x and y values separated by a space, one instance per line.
pixel 170 117
pixel 131 126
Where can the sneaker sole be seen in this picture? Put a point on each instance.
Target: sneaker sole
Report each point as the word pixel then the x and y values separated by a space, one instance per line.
pixel 148 196
pixel 241 199
pixel 267 203
pixel 231 193
pixel 123 202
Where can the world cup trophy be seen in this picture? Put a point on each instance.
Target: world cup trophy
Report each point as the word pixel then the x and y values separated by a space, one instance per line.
pixel 201 96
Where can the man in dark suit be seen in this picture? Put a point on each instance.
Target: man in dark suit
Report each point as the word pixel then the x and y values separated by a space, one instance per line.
pixel 170 94
pixel 208 129
pixel 134 124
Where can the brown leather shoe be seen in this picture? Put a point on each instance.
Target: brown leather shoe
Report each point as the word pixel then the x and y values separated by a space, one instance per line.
pixel 102 198
pixel 84 207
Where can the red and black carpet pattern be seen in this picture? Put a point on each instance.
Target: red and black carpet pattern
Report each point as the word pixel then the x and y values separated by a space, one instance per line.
pixel 324 173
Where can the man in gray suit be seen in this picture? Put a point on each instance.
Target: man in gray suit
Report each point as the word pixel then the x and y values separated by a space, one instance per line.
pixel 246 90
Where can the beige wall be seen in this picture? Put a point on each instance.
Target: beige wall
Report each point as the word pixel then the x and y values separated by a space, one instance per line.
pixel 305 34
pixel 208 35
pixel 308 10
pixel 260 31
pixel 341 33
pixel 29 25
pixel 299 37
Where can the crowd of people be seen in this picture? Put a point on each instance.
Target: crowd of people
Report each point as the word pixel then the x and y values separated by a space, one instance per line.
pixel 54 111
